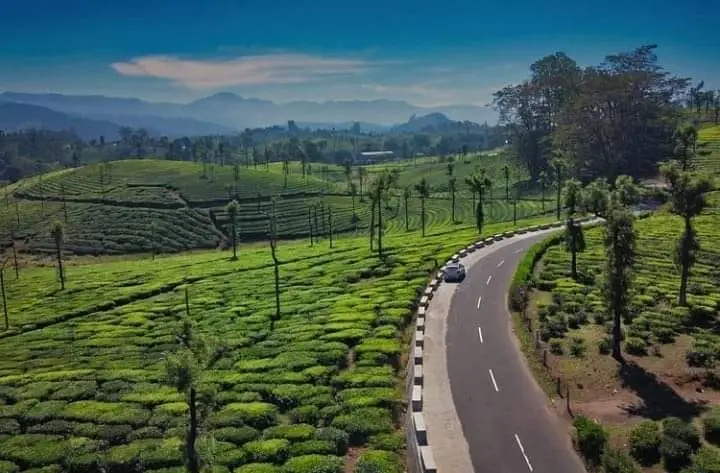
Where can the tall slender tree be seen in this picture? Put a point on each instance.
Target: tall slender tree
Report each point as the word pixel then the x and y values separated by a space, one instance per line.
pixel 687 193
pixel 544 180
pixel 452 187
pixel 506 175
pixel 558 167
pixel 273 236
pixel 620 239
pixel 4 295
pixel 596 198
pixel 572 191
pixel 479 183
pixel 574 243
pixel 423 190
pixel 232 211
pixel 185 370
pixel 406 198
pixel 353 194
pixel 686 142
pixel 57 234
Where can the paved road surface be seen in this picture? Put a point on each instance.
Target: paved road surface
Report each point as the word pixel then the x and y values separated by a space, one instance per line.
pixel 505 417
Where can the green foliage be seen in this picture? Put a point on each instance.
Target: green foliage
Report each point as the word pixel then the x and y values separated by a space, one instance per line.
pixel 705 460
pixel 257 468
pixel 644 442
pixel 363 422
pixel 268 451
pixel 618 461
pixel 591 439
pixel 8 467
pixel 679 441
pixel 338 437
pixel 394 442
pixel 314 464
pixel 378 461
pixel 294 433
pixel 711 425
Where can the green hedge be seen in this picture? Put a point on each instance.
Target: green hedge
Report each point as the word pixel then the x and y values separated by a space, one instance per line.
pixel 314 464
pixel 378 461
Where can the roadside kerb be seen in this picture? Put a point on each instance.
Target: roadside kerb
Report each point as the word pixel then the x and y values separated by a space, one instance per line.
pixel 420 456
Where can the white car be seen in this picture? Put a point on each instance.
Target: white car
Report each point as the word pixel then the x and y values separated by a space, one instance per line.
pixel 454 272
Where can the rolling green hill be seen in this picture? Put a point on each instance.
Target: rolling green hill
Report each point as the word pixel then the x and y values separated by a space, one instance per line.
pixel 167 206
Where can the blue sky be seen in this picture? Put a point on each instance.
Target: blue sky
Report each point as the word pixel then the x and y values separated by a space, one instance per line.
pixel 427 53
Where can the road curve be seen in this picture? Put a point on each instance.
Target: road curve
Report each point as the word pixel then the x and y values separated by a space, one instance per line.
pixel 505 417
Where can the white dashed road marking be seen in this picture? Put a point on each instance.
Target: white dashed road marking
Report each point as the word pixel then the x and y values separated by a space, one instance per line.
pixel 501 263
pixel 522 450
pixel 488 281
pixel 479 301
pixel 480 333
pixel 492 377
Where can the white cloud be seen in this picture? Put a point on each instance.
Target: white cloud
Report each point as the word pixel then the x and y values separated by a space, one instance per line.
pixel 241 71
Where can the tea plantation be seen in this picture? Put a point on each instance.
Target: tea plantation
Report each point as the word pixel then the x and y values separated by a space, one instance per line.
pixel 672 352
pixel 82 374
pixel 169 206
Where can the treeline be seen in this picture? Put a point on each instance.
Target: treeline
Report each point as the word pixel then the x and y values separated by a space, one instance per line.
pixel 33 151
pixel 619 117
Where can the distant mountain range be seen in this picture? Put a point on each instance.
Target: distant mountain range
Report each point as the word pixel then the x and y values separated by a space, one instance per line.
pixel 227 113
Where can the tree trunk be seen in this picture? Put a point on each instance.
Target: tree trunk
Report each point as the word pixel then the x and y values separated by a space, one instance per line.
pixel 685 263
pixel 422 214
pixel 617 335
pixel 192 460
pixel 559 191
pixel 4 296
pixel 310 227
pixel 407 219
pixel 330 228
pixel 58 249
pixel 542 197
pixel 453 206
pixel 380 230
pixel 15 260
pixel 573 264
pixel 234 239
pixel 277 292
pixel 514 212
pixel 372 223
pixel 507 189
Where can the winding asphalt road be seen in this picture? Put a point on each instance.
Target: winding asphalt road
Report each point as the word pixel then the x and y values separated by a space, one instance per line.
pixel 505 416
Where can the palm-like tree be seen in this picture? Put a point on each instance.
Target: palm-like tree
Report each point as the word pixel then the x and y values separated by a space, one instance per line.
pixel 377 189
pixel 452 187
pixel 506 174
pixel 574 243
pixel 686 139
pixel 573 196
pixel 558 167
pixel 362 175
pixel 544 180
pixel 57 232
pixel 620 239
pixel 423 190
pixel 406 198
pixel 687 193
pixel 232 211
pixel 478 184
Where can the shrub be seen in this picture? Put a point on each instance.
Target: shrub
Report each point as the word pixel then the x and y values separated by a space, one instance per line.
pixel 320 447
pixel 145 433
pixel 8 467
pixel 236 435
pixel 556 346
pixel 86 463
pixel 711 425
pixel 675 452
pixel 706 460
pixel 378 461
pixel 636 346
pixel 268 451
pixel 105 412
pixel 255 414
pixel 394 442
pixel 9 427
pixel 361 423
pixel 292 432
pixel 314 464
pixel 328 413
pixel 605 345
pixel 681 430
pixel 33 450
pixel 338 437
pixel 644 443
pixel 591 438
pixel 617 461
pixel 308 414
pixel 257 468
pixel 577 347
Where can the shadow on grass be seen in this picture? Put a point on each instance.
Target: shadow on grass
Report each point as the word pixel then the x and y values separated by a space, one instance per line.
pixel 658 399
